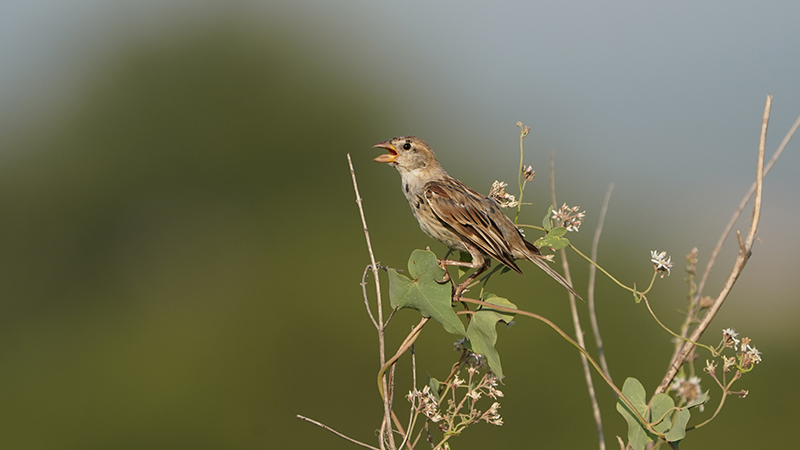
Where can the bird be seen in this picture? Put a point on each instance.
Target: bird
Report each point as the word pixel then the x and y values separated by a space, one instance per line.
pixel 461 218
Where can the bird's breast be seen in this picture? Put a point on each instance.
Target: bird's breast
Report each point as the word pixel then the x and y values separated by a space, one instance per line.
pixel 431 225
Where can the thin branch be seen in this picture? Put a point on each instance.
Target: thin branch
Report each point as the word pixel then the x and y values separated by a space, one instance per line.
pixel 725 393
pixel 413 367
pixel 576 322
pixel 742 205
pixel 762 145
pixel 522 135
pixel 412 412
pixel 553 179
pixel 666 328
pixel 366 297
pixel 325 427
pixel 601 354
pixel 572 342
pixel 588 259
pixel 405 434
pixel 605 272
pixel 736 214
pixel 407 343
pixel 745 250
pixel 387 409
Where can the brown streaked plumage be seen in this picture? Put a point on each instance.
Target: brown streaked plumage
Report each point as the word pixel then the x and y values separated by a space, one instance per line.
pixel 457 216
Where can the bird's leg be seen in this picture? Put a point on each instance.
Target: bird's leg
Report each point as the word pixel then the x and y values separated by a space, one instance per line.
pixel 453 262
pixel 443 263
pixel 463 285
pixel 479 263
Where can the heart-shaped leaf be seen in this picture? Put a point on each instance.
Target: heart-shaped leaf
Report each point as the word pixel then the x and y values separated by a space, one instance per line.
pixel 482 332
pixel 633 390
pixel 424 291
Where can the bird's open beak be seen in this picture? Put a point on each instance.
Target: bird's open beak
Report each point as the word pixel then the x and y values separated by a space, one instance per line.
pixel 388 157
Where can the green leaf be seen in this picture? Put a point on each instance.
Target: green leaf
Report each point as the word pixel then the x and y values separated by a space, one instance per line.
pixel 633 390
pixel 424 292
pixel 678 430
pixel 553 239
pixel 433 383
pixel 482 332
pixel 659 406
pixel 557 232
pixel 671 424
pixel 637 297
pixel 547 221
pixel 698 401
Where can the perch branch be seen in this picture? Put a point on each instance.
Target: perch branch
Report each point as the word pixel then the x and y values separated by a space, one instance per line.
pixel 386 428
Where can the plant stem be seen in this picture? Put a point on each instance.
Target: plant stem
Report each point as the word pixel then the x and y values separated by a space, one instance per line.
pixel 566 337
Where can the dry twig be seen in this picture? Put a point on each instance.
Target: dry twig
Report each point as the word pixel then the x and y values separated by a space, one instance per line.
pixel 325 427
pixel 576 322
pixel 601 354
pixel 386 427
pixel 745 250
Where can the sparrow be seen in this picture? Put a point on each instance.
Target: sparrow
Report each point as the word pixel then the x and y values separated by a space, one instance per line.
pixel 455 215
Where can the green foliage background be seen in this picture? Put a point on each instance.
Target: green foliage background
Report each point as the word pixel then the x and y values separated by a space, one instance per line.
pixel 181 258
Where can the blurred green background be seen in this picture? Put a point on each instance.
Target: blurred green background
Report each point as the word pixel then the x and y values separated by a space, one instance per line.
pixel 182 253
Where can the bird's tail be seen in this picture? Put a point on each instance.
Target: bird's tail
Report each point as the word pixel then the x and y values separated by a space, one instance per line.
pixel 537 259
pixel 557 276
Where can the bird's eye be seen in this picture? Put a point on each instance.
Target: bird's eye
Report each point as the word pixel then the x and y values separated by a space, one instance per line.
pixel 406 146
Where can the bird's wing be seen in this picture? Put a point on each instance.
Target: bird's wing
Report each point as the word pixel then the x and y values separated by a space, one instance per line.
pixel 470 215
pixel 475 218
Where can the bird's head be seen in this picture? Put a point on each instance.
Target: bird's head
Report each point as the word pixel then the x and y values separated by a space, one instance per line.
pixel 407 154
